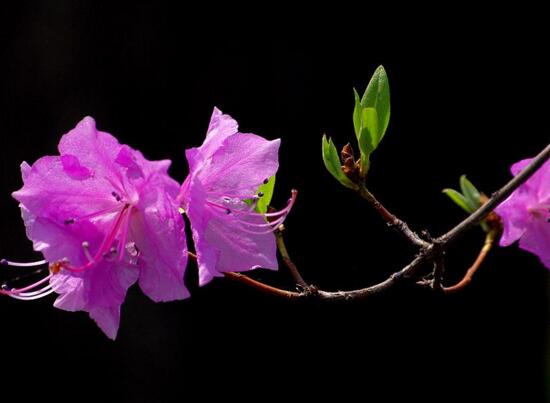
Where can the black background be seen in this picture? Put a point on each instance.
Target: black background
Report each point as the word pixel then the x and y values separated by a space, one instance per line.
pixel 467 97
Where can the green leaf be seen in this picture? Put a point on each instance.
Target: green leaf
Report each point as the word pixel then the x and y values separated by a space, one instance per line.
pixel 470 192
pixel 368 138
pixel 459 199
pixel 333 164
pixel 267 193
pixel 377 96
pixel 357 114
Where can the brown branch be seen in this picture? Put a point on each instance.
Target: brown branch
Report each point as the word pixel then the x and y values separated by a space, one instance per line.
pixel 427 252
pixel 490 240
pixel 288 261
pixel 498 197
pixel 391 219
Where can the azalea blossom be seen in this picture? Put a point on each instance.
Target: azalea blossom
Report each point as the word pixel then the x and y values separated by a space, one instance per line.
pixel 225 174
pixel 526 213
pixel 104 217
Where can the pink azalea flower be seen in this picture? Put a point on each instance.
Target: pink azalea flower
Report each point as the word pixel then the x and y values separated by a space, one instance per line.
pixel 526 213
pixel 226 171
pixel 104 217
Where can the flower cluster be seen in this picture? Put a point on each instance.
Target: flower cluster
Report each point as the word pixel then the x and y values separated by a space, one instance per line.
pixel 104 217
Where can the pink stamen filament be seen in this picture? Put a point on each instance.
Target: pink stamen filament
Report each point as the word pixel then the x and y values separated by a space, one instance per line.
pixel 124 236
pixel 251 213
pixel 269 226
pixel 16 291
pixel 29 296
pixel 95 214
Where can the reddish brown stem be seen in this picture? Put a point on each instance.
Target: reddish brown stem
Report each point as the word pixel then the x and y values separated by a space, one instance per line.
pixel 258 285
pixel 467 279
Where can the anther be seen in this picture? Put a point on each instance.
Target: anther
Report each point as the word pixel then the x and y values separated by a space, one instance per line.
pixel 227 211
pixel 69 221
pixel 266 180
pixel 116 196
pixel 4 262
pixel 260 194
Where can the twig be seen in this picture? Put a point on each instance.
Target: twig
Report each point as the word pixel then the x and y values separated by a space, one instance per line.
pixel 241 278
pixel 286 258
pixel 391 219
pixel 498 197
pixel 427 252
pixel 490 239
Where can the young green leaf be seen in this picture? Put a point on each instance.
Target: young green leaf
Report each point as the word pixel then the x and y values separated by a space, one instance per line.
pixel 333 164
pixel 357 114
pixel 459 199
pixel 368 138
pixel 377 96
pixel 470 192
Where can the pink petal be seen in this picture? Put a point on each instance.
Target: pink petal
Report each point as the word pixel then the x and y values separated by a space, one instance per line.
pixel 108 319
pixel 73 169
pixel 127 158
pixel 515 215
pixel 537 240
pixel 221 243
pixel 221 127
pixel 159 232
pixel 99 291
pixel 48 187
pixel 240 165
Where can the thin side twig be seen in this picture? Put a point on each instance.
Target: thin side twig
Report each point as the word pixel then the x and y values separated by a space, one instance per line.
pixel 288 261
pixel 391 219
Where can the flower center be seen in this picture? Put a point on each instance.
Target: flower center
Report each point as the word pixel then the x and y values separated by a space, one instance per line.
pixel 112 247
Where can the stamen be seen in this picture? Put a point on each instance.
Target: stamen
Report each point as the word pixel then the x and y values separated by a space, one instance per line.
pixel 260 194
pixel 15 291
pixel 5 262
pixel 32 297
pixel 124 236
pixel 266 180
pixel 86 249
pixel 241 217
pixel 72 220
